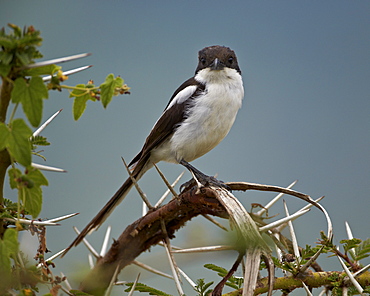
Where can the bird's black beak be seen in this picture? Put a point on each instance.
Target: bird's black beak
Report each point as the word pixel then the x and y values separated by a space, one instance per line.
pixel 216 65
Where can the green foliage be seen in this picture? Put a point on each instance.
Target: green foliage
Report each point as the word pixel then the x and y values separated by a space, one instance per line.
pixel 110 87
pixel 29 189
pixel 357 248
pixel 144 288
pixel 362 250
pixel 84 92
pixel 43 70
pixel 350 243
pixel 233 282
pixel 30 94
pixel 202 288
pixel 19 48
pixel 15 138
pixel 8 249
pixel 23 85
pixel 39 141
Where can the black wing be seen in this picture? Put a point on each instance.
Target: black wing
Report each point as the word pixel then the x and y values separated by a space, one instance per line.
pixel 169 120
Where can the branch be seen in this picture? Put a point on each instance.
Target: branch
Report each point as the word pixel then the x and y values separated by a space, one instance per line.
pixel 311 279
pixel 147 231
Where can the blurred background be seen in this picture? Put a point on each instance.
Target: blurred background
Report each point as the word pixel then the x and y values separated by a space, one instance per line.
pixel 305 116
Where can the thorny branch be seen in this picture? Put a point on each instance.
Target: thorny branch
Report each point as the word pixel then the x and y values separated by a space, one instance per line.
pixel 147 231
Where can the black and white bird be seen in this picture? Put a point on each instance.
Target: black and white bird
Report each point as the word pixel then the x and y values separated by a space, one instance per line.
pixel 199 115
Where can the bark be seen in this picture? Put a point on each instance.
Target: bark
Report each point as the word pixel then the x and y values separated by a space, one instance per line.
pixel 146 232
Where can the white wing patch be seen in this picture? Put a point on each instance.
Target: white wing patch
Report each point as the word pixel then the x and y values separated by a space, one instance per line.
pixel 183 95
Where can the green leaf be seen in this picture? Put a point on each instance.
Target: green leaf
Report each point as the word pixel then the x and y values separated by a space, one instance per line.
pixel 32 200
pixel 14 174
pixel 29 186
pixel 16 29
pixel 220 270
pixel 202 288
pixel 20 87
pixel 30 95
pixel 363 250
pixel 11 241
pixel 23 57
pixel 4 134
pixel 18 143
pixel 350 243
pixel 4 70
pixel 43 70
pixel 107 88
pixel 39 141
pixel 79 106
pixel 5 267
pixel 82 95
pixel 6 42
pixel 33 105
pixel 8 247
pixel 37 177
pixel 5 57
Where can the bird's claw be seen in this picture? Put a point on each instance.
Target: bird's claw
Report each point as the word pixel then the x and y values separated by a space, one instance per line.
pixel 205 181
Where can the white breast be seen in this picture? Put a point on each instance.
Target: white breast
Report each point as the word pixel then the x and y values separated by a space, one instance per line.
pixel 211 118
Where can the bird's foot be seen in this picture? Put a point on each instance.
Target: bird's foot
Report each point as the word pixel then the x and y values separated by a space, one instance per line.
pixel 200 179
pixel 203 181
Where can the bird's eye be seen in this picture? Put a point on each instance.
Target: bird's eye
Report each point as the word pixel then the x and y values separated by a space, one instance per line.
pixel 230 60
pixel 203 61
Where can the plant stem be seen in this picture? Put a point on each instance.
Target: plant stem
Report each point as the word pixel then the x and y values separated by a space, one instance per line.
pixel 13 113
pixel 5 94
pixel 79 88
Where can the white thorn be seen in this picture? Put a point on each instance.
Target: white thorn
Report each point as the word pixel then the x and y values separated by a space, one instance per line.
pixel 292 234
pixel 57 60
pixel 31 222
pixel 274 200
pixel 307 290
pixel 51 258
pixel 187 278
pixel 42 127
pixel 105 242
pixel 134 285
pixel 47 168
pixel 203 249
pixel 108 292
pixel 87 244
pixel 62 218
pixel 151 269
pixel 91 261
pixel 283 220
pixel 350 276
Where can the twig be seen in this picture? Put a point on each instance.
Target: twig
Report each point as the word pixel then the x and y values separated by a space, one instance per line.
pixel 166 181
pixel 151 269
pixel 141 193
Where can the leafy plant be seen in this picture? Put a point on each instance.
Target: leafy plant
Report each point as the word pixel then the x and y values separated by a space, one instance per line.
pixel 27 83
pixel 202 287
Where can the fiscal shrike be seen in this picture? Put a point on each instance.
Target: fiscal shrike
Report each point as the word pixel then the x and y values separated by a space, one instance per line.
pixel 196 119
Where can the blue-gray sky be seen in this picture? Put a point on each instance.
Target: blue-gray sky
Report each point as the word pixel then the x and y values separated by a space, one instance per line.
pixel 305 116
